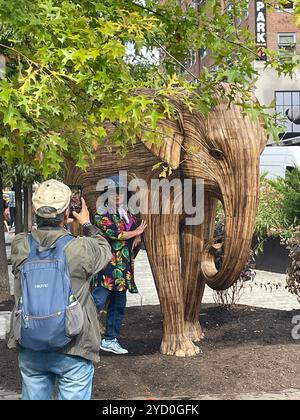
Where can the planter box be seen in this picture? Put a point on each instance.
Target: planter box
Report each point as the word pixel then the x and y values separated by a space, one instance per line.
pixel 275 257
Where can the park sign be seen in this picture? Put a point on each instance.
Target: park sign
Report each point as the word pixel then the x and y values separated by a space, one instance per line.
pixel 261 28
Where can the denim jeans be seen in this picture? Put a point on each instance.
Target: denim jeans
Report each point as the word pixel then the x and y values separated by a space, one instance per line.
pixel 116 309
pixel 12 215
pixel 39 372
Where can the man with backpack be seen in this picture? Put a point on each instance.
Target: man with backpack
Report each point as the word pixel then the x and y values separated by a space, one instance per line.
pixel 54 323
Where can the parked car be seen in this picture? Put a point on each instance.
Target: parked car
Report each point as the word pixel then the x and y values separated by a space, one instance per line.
pixel 275 161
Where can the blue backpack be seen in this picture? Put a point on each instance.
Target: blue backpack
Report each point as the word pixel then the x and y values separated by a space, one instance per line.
pixel 46 296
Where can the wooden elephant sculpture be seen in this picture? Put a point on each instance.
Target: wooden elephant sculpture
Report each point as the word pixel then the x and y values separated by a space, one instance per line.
pixel 223 149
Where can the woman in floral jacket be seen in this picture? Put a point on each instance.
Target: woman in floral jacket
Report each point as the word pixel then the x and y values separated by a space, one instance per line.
pixel 119 227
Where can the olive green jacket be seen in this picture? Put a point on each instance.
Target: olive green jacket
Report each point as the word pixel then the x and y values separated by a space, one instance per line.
pixel 86 257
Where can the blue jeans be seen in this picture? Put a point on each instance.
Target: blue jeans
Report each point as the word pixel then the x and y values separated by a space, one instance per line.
pixel 116 309
pixel 40 370
pixel 12 215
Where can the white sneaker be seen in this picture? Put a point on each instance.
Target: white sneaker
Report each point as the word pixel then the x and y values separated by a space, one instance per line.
pixel 112 346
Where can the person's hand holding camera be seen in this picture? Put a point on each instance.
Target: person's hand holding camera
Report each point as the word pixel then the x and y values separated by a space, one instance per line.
pixel 84 216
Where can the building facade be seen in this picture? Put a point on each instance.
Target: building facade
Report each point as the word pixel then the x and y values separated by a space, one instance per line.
pixel 281 33
pixel 276 31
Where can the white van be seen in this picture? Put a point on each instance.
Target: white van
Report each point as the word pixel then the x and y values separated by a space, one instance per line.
pixel 275 161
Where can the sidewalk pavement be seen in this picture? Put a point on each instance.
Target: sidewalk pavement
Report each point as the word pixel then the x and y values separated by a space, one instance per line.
pixel 286 394
pixel 266 291
pixel 9 395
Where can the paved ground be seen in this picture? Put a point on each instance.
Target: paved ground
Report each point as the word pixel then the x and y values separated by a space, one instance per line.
pixel 267 291
pixel 8 395
pixel 287 394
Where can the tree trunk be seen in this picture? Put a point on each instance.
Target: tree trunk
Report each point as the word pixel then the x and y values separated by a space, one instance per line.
pixel 4 279
pixel 27 208
pixel 19 206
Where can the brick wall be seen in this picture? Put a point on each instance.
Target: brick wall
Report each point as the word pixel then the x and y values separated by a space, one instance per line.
pixel 280 22
pixel 277 22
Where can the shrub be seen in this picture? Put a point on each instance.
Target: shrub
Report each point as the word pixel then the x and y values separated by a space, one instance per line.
pixel 293 274
pixel 278 214
pixel 289 188
pixel 271 219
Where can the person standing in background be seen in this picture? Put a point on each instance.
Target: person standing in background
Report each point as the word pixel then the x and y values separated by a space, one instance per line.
pixel 12 207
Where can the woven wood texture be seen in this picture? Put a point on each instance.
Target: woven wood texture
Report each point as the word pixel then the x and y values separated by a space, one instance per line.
pixel 224 150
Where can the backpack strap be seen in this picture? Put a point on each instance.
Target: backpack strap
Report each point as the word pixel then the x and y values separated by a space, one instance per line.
pixel 33 246
pixel 58 247
pixel 62 242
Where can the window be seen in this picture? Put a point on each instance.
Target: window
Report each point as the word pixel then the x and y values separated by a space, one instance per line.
pixel 287 7
pixel 288 106
pixel 287 41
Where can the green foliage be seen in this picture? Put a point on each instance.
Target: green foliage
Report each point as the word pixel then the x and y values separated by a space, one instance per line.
pixel 67 77
pixel 278 210
pixel 19 172
pixel 279 207
pixel 289 188
pixel 297 11
pixel 271 219
pixel 293 277
pixel 69 74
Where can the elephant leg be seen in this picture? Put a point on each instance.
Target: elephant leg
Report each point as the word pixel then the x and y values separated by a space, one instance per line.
pixel 193 241
pixel 193 285
pixel 163 248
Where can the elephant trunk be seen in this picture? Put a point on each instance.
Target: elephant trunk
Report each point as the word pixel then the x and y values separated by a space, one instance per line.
pixel 240 201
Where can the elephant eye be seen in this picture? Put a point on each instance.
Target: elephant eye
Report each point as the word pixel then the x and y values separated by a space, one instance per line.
pixel 216 153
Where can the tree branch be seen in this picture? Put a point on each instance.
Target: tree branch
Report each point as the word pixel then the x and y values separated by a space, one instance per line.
pixel 177 61
pixel 147 9
pixel 37 65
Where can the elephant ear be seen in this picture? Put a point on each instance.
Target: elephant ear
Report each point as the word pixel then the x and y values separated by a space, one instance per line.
pixel 168 146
